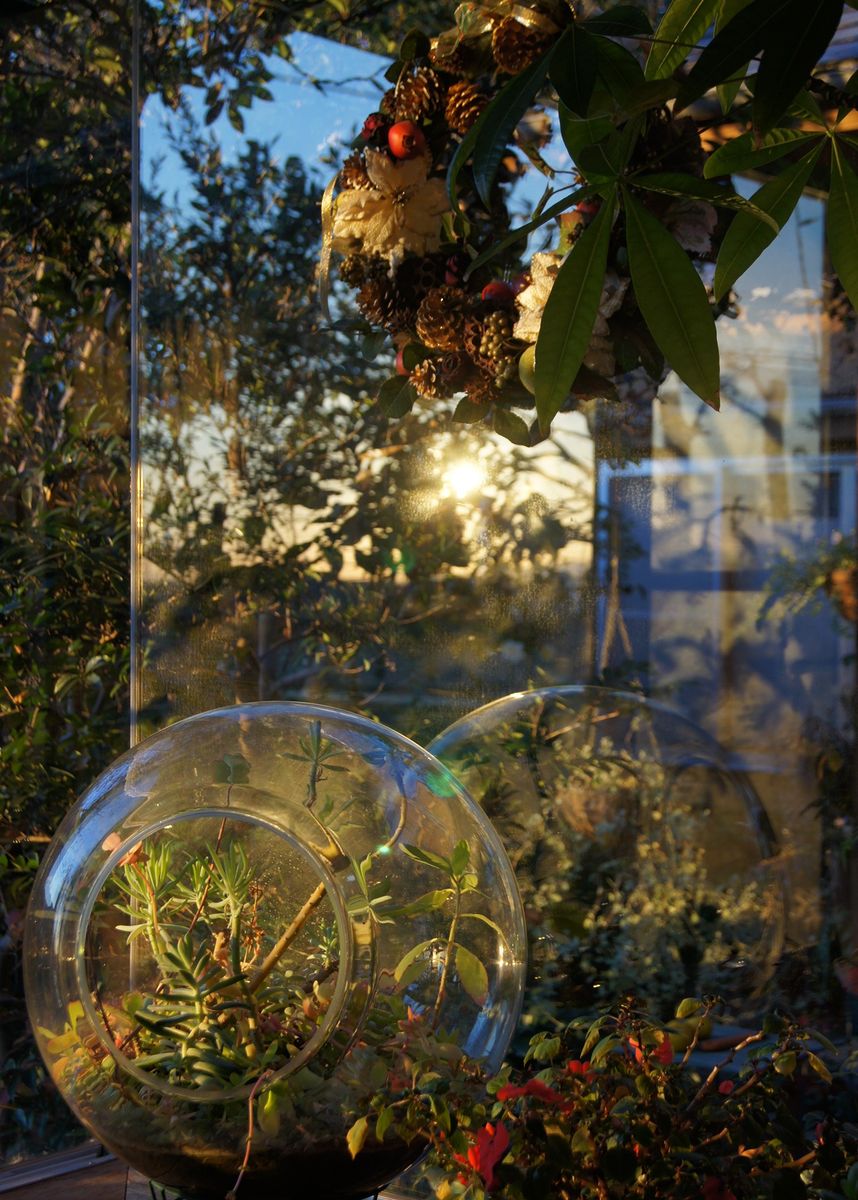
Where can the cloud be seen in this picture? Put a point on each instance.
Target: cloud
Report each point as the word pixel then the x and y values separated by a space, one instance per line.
pixel 802 296
pixel 760 293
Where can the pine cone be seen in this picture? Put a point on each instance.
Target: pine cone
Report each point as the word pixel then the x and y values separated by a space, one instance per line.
pixel 353 173
pixel 515 47
pixel 379 302
pixel 418 95
pixel 387 104
pixel 426 380
pixel 465 102
pixel 439 318
pixel 459 61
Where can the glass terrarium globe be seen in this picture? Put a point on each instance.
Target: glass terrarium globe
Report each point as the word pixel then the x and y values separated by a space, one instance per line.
pixel 240 927
pixel 646 865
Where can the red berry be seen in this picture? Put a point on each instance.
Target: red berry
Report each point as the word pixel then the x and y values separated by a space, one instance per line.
pixel 401 368
pixel 406 140
pixel 589 207
pixel 498 292
pixel 372 124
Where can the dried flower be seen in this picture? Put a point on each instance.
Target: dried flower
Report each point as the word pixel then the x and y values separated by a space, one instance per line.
pixel 399 214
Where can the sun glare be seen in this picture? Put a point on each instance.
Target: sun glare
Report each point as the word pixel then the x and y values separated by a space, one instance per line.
pixel 462 478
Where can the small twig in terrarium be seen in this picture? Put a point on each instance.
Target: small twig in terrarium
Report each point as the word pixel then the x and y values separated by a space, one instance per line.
pixel 713 1074
pixel 287 937
pixel 263 1078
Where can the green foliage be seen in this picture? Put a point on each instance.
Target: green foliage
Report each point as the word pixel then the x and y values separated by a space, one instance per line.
pixel 634 1119
pixel 612 102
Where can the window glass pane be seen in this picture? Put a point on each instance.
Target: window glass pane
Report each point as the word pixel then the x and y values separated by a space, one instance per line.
pixel 65 146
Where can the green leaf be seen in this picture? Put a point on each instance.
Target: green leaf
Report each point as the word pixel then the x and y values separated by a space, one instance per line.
pixel 688 1007
pixel 460 857
pixel 268 1114
pixel 469 412
pixel 623 20
pixel 843 223
pixel 793 45
pixel 472 975
pixel 427 858
pixel 511 426
pixel 603 1048
pixel 570 315
pixel 232 768
pixel 489 135
pixel 426 903
pixel 578 132
pixel 357 1135
pixel 785 1063
pixel 573 68
pixel 396 396
pixel 731 48
pixel 384 1122
pixel 673 301
pixel 727 92
pixel 747 238
pixel 670 184
pixel 682 26
pixel 474 916
pixel 415 44
pixel 747 152
pixel 411 957
pixel 819 1066
pixel 618 70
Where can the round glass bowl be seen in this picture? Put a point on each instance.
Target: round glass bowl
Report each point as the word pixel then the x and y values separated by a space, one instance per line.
pixel 252 912
pixel 646 865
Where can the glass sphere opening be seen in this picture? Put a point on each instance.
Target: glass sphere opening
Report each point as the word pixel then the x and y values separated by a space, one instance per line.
pixel 215 948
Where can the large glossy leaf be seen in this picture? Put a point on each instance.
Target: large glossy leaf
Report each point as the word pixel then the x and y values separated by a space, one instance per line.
pixel 843 223
pixel 728 91
pixel 579 132
pixel 472 975
pixel 573 68
pixel 746 152
pixel 488 136
pixel 673 301
pixel 681 27
pixel 623 20
pixel 792 48
pixel 570 315
pixel 746 239
pixel 396 396
pixel 618 70
pixel 668 183
pixel 732 47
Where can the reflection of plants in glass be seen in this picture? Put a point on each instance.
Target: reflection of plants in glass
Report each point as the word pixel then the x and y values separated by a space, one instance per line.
pixel 620 1110
pixel 797 583
pixel 608 840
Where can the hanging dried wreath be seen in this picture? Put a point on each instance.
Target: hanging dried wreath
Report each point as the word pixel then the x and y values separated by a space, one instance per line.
pixel 644 257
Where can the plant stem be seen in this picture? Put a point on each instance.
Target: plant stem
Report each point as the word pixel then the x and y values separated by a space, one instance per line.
pixel 287 937
pixel 445 970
